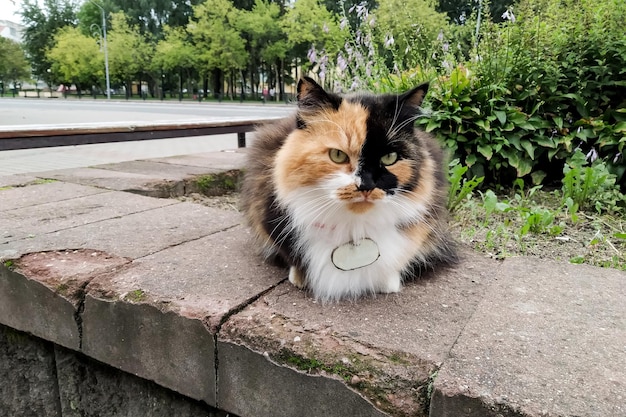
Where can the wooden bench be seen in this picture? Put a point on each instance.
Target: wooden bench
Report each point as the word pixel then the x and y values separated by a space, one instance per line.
pixel 43 136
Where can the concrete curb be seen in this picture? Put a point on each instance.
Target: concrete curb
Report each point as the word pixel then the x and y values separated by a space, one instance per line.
pixel 172 292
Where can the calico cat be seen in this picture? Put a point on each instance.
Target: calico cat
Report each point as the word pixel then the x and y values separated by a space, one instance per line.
pixel 348 193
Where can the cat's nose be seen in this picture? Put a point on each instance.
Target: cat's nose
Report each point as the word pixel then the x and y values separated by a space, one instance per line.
pixel 367 182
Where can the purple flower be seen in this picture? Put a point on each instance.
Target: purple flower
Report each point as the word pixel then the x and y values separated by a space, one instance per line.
pixel 325 28
pixel 312 55
pixel 343 23
pixel 342 64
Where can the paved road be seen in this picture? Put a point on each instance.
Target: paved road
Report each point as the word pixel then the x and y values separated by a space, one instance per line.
pixel 43 111
pixel 22 111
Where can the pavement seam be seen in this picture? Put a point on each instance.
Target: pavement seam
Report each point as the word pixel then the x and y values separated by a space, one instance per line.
pixel 440 365
pixel 225 229
pixel 94 222
pixel 237 309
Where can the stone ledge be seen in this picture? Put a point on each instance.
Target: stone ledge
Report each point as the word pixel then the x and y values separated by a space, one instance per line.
pixel 171 292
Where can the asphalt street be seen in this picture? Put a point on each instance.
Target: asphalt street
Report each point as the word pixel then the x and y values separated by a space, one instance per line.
pixel 20 112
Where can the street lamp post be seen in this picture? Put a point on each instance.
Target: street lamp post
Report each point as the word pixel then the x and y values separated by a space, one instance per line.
pixel 106 52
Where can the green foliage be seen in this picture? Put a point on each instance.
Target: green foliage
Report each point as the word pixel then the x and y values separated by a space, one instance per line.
pixel 13 64
pixel 588 187
pixel 460 187
pixel 216 35
pixel 539 86
pixel 128 51
pixel 75 58
pixel 42 21
pixel 175 51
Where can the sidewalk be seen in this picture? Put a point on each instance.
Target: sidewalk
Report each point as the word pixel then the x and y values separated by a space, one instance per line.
pixel 105 262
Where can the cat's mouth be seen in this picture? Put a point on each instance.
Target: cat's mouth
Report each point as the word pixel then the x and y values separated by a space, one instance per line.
pixel 363 201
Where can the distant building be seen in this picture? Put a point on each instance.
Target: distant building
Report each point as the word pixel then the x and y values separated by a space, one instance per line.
pixel 11 30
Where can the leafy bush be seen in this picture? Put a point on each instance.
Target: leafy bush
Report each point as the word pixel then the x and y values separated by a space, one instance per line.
pixel 538 87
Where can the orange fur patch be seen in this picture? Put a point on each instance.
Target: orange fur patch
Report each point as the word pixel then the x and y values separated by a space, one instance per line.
pixel 403 170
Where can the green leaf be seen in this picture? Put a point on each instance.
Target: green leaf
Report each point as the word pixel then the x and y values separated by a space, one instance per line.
pixel 432 125
pixel 501 115
pixel 545 141
pixel 486 151
pixel 470 160
pixel 538 177
pixel 483 124
pixel 620 127
pixel 558 121
pixel 528 147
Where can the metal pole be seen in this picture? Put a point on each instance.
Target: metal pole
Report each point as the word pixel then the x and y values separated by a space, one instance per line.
pixel 106 51
pixel 106 54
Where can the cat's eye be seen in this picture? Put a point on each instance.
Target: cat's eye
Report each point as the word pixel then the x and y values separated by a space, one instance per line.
pixel 337 156
pixel 389 159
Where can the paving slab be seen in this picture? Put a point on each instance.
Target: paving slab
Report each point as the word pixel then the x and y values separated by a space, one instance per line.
pixel 131 236
pixel 387 347
pixel 212 161
pixel 549 339
pixel 178 297
pixel 149 185
pixel 156 169
pixel 42 193
pixel 16 180
pixel 51 217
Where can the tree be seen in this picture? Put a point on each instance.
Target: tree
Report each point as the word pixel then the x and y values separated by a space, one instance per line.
pixel 90 15
pixel 218 41
pixel 267 42
pixel 129 51
pixel 175 53
pixel 75 58
pixel 13 64
pixel 42 23
pixel 151 16
pixel 311 27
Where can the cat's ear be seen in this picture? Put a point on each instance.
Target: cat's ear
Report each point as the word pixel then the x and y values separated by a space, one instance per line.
pixel 414 97
pixel 312 97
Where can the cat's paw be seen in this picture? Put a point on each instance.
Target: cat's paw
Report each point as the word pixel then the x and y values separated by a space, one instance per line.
pixel 390 284
pixel 296 277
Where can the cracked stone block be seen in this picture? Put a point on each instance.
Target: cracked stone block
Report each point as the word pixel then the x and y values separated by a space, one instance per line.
pixel 90 389
pixel 28 385
pixel 175 352
pixel 253 386
pixel 41 293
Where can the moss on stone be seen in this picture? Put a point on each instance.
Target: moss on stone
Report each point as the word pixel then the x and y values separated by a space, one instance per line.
pixel 135 296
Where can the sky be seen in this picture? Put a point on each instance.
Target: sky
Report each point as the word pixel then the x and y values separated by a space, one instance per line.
pixel 7 8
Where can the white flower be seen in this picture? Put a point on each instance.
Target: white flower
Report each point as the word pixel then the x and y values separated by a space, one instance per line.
pixel 389 40
pixel 508 15
pixel 592 155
